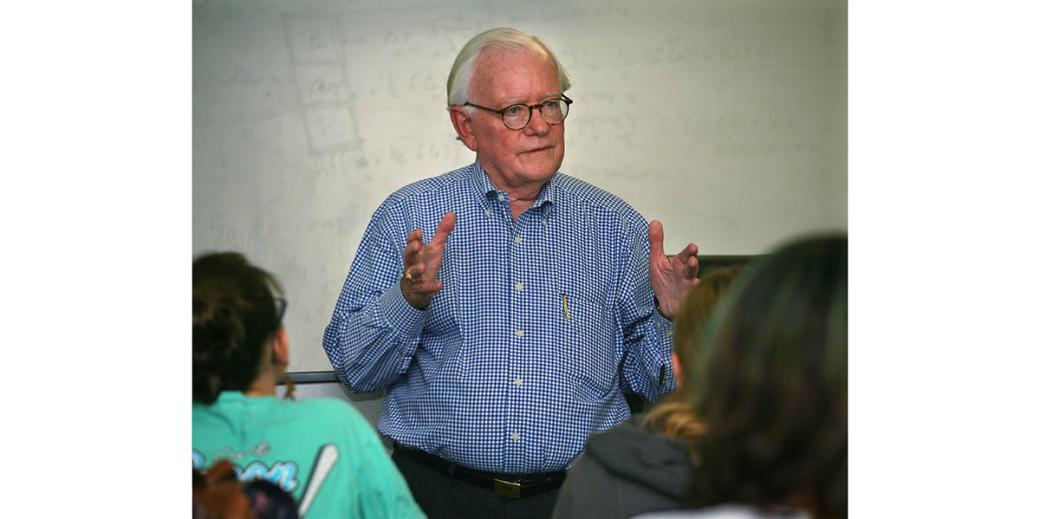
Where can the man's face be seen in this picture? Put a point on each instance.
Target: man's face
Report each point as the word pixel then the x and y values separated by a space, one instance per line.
pixel 525 158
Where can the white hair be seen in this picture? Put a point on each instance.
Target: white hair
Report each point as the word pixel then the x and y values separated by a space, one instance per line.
pixel 462 70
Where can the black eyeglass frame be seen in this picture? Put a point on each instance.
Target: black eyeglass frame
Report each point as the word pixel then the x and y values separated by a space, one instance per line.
pixel 530 110
pixel 280 304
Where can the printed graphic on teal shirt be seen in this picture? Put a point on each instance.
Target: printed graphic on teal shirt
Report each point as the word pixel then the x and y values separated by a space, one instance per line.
pixel 281 473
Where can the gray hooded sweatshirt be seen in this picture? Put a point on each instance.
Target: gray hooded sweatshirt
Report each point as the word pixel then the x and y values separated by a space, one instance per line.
pixel 626 471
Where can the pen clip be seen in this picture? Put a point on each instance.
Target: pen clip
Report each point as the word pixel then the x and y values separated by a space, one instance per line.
pixel 566 310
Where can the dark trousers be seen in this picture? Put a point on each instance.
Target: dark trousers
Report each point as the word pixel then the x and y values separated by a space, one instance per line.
pixel 444 497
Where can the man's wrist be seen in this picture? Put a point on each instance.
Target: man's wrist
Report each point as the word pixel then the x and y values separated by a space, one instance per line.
pixel 657 306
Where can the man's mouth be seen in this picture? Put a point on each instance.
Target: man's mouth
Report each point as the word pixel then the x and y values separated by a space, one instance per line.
pixel 543 148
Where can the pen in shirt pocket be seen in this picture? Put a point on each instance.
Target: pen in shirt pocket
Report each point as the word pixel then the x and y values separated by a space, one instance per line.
pixel 566 310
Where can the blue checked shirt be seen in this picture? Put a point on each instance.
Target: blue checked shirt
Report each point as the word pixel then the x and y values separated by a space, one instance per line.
pixel 541 325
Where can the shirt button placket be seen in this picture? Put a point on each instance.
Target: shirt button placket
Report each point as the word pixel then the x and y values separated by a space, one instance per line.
pixel 514 453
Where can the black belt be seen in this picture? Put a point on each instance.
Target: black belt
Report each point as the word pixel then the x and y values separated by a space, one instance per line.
pixel 507 485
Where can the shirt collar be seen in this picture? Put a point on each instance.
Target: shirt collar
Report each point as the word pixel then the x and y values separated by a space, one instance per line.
pixel 487 190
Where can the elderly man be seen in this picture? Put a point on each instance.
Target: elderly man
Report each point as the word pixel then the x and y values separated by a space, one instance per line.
pixel 509 336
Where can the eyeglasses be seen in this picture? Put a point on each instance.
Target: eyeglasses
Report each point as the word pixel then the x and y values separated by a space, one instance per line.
pixel 280 305
pixel 516 117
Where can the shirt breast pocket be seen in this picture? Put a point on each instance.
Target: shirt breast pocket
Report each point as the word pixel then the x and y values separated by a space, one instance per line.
pixel 589 344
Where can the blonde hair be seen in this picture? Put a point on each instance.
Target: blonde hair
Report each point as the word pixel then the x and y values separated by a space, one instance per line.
pixel 674 416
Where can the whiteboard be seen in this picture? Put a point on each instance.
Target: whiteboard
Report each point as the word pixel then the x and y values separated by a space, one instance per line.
pixel 724 119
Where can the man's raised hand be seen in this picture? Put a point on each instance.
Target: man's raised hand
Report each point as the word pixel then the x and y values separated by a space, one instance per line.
pixel 671 278
pixel 422 263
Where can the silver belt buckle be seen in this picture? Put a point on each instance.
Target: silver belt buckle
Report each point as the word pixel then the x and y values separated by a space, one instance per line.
pixel 507 488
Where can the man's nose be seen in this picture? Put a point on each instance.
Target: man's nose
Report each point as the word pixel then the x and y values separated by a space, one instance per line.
pixel 537 125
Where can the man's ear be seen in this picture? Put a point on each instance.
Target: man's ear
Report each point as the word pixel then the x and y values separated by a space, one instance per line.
pixel 281 348
pixel 460 120
pixel 677 369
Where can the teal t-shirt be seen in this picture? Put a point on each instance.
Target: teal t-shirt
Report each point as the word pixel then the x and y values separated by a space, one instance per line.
pixel 322 451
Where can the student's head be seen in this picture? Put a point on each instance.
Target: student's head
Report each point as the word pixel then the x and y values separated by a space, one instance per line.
pixel 218 493
pixel 693 315
pixel 674 417
pixel 498 75
pixel 770 382
pixel 269 501
pixel 237 332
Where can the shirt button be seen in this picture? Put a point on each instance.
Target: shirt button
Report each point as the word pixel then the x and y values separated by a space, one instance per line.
pixel 515 436
pixel 501 197
pixel 518 381
pixel 519 333
pixel 487 212
pixel 518 239
pixel 519 287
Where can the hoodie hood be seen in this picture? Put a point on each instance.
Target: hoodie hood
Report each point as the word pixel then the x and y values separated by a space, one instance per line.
pixel 644 458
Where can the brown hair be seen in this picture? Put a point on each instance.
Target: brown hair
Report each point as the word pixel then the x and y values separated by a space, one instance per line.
pixel 235 311
pixel 772 385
